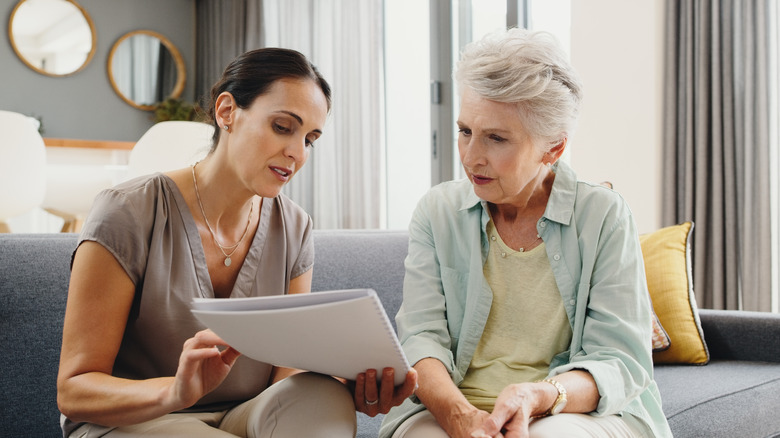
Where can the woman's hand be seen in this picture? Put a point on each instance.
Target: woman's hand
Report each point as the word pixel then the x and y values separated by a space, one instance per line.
pixel 463 424
pixel 372 400
pixel 202 367
pixel 513 410
pixel 517 403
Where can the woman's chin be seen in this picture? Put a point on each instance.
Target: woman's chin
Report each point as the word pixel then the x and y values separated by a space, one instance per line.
pixel 484 193
pixel 269 191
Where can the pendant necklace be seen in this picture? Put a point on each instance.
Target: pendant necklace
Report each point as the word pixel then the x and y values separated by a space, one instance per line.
pixel 231 248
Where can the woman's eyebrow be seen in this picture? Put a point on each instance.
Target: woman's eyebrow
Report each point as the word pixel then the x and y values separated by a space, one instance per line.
pixel 296 117
pixel 500 131
pixel 292 114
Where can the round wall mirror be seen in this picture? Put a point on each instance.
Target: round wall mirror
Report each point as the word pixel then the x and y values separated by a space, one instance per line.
pixel 145 68
pixel 52 37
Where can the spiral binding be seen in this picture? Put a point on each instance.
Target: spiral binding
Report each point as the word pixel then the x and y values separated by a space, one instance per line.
pixel 389 328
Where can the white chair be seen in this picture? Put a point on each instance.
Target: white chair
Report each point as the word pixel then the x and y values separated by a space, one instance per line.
pixel 22 166
pixel 71 188
pixel 169 145
pixel 165 146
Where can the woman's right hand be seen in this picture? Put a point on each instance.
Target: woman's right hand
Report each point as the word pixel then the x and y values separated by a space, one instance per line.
pixel 202 367
pixel 445 402
pixel 464 424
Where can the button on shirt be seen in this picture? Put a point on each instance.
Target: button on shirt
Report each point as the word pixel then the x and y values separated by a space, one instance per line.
pixel 593 249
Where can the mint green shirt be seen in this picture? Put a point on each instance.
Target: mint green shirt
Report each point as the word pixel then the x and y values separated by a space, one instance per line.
pixel 593 248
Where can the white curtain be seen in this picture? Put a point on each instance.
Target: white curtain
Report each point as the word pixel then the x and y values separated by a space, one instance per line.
pixel 342 184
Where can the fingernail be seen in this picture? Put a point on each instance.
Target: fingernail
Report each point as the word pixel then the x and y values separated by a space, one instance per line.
pixel 479 433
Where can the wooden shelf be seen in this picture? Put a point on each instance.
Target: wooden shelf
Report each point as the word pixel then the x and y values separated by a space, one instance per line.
pixel 88 144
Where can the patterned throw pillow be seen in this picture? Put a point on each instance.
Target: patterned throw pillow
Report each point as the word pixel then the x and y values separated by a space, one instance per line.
pixel 660 339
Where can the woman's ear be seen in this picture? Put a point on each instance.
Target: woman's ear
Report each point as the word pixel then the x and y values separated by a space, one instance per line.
pixel 224 109
pixel 556 151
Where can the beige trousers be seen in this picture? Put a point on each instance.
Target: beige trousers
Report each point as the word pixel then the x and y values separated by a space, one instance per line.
pixel 423 425
pixel 303 405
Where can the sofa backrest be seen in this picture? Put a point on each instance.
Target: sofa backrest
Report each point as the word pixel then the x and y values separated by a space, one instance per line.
pixel 34 276
pixel 355 259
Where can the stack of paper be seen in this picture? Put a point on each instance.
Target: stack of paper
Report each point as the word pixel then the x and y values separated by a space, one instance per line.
pixel 339 333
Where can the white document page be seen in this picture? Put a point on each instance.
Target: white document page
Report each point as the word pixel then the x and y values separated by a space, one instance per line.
pixel 339 333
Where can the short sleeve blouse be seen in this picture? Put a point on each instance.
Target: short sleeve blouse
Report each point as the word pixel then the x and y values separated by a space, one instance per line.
pixel 146 224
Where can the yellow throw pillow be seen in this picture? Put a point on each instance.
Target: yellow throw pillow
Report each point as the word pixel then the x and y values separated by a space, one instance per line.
pixel 667 259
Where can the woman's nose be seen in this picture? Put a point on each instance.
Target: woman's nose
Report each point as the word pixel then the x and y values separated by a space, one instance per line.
pixel 297 150
pixel 469 151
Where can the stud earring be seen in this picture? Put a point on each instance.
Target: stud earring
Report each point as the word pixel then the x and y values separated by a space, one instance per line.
pixel 227 128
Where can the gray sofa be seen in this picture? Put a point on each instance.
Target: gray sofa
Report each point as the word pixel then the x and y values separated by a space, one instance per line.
pixel 736 395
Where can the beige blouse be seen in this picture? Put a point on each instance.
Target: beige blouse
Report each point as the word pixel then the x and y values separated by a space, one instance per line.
pixel 146 224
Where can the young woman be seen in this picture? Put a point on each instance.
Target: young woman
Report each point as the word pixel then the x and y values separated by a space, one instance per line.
pixel 134 360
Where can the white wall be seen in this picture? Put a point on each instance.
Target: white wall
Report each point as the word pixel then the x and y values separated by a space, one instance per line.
pixel 617 48
pixel 408 113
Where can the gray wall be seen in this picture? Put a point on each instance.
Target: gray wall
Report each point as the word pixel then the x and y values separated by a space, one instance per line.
pixel 84 106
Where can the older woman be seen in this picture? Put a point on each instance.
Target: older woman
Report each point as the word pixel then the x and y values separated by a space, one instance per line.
pixel 525 311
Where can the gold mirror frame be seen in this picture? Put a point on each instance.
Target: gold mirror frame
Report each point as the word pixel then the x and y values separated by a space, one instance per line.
pixel 40 70
pixel 181 72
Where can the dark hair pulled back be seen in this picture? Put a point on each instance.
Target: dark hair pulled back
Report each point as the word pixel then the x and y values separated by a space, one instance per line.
pixel 251 75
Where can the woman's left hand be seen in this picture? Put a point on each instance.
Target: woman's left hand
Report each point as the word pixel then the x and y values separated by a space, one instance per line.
pixel 372 398
pixel 518 403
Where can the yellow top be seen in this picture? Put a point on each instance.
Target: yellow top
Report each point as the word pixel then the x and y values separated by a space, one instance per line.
pixel 527 325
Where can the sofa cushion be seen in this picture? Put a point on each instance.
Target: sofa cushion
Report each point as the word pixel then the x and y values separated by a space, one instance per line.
pixel 704 401
pixel 368 427
pixel 667 260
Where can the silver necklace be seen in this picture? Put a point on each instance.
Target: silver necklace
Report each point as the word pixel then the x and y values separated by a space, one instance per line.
pixel 231 248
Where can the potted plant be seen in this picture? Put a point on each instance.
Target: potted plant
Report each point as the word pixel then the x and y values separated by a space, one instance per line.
pixel 177 109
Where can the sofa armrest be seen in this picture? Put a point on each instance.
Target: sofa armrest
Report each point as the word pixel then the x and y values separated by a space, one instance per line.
pixel 741 335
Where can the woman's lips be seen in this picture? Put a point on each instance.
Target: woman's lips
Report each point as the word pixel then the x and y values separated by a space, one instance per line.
pixel 281 173
pixel 480 179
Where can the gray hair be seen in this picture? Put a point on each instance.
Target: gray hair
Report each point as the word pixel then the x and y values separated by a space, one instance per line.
pixel 529 69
